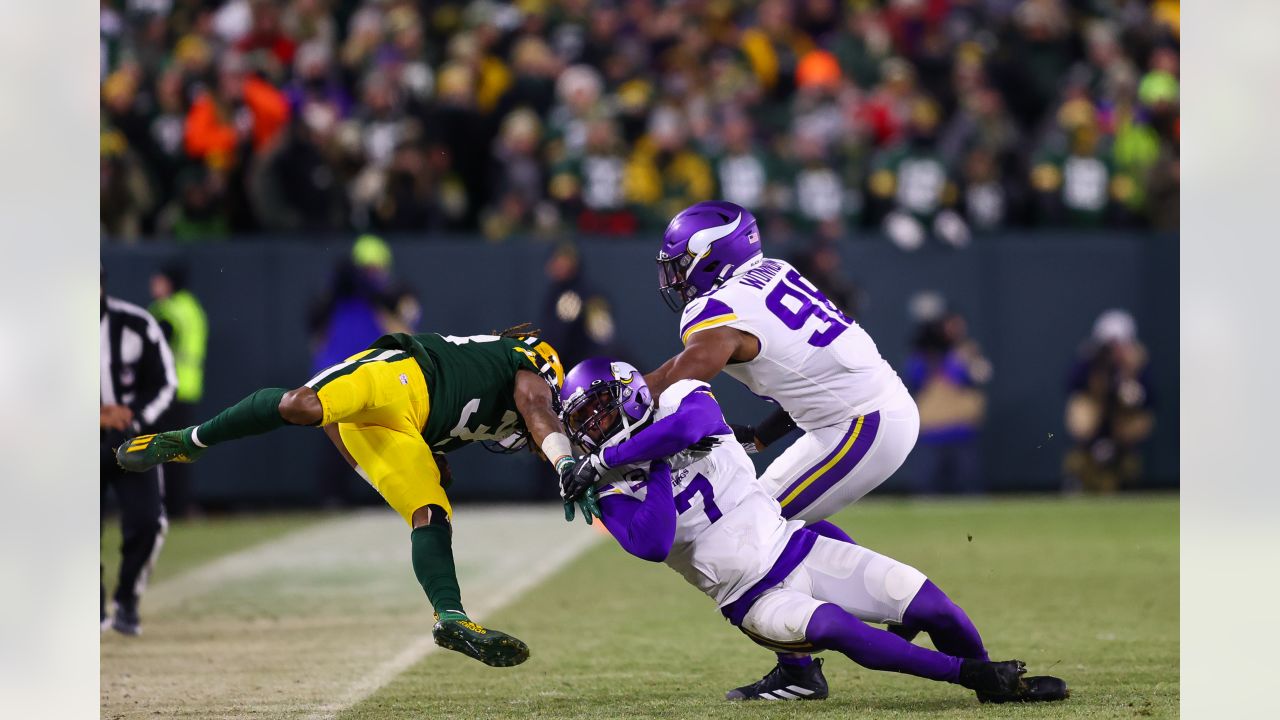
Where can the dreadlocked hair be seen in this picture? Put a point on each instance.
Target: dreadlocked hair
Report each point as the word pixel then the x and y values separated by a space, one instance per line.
pixel 524 329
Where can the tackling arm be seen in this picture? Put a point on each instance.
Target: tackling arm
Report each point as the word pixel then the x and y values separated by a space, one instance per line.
pixel 697 417
pixel 704 356
pixel 533 401
pixel 645 528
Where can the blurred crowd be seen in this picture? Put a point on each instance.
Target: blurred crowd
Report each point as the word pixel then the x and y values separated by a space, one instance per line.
pixel 929 119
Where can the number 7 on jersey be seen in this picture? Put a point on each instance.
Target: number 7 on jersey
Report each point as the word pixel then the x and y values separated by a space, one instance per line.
pixel 699 485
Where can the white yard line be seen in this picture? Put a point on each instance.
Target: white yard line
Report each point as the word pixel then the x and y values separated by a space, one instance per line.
pixel 327 542
pixel 314 622
pixel 543 566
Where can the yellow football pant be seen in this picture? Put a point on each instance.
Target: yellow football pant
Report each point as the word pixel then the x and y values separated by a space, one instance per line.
pixel 379 400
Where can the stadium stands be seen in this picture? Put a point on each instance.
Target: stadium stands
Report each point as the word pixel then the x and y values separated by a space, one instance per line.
pixel 929 118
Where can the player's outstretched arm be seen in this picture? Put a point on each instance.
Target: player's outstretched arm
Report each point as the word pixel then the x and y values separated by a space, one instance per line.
pixel 644 528
pixel 704 356
pixel 533 402
pixel 697 417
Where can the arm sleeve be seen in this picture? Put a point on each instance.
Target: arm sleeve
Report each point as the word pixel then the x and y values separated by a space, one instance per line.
pixel 697 417
pixel 645 528
pixel 157 379
pixel 775 427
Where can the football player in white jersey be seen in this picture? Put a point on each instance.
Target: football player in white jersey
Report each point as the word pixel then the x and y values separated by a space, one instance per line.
pixel 763 323
pixel 788 588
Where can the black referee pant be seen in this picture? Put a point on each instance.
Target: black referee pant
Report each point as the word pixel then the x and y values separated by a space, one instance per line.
pixel 143 524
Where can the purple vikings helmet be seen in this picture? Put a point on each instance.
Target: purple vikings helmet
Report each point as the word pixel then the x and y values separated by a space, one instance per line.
pixel 604 402
pixel 703 246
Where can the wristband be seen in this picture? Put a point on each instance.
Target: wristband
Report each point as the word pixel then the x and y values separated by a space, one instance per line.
pixel 557 449
pixel 774 427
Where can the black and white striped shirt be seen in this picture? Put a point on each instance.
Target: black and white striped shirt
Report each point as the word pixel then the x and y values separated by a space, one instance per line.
pixel 137 366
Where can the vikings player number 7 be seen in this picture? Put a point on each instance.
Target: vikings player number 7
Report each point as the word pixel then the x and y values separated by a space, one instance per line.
pixel 699 485
pixel 812 303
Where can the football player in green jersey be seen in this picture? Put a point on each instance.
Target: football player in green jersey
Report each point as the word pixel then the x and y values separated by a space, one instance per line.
pixel 389 409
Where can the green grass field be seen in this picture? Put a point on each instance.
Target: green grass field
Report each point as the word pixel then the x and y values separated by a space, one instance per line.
pixel 1084 588
pixel 194 542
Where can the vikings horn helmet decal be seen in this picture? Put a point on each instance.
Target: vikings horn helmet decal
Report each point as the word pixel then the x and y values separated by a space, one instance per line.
pixel 605 401
pixel 705 245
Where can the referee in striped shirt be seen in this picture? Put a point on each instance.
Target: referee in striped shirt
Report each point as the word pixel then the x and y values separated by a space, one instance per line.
pixel 138 383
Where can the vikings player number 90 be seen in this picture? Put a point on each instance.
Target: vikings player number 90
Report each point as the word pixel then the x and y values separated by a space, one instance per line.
pixel 812 303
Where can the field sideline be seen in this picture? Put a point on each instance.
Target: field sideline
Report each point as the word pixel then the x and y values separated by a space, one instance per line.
pixel 321 618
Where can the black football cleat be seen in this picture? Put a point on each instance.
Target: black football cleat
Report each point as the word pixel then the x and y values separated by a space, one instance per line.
pixel 1036 688
pixel 492 647
pixel 992 681
pixel 786 682
pixel 125 620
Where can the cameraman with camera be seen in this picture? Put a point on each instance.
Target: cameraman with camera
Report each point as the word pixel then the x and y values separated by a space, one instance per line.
pixel 1108 410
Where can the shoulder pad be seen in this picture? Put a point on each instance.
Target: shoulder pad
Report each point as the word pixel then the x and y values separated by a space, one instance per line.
pixel 677 392
pixel 704 313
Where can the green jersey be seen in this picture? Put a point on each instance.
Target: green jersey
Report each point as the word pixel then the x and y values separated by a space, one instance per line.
pixel 471 382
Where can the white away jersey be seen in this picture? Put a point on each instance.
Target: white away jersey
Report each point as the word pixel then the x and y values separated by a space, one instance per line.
pixel 729 530
pixel 815 362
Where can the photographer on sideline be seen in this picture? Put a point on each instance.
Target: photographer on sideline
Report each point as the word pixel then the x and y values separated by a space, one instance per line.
pixel 1108 410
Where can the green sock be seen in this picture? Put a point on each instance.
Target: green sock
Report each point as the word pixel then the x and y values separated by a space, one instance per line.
pixel 254 415
pixel 433 564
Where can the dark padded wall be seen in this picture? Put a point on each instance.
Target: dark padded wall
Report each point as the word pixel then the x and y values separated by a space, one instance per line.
pixel 1030 300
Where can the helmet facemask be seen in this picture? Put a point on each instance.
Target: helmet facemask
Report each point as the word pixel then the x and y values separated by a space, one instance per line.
pixel 673 280
pixel 596 419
